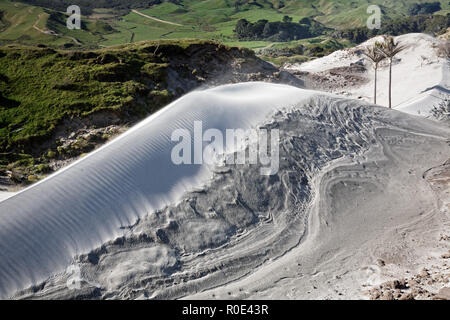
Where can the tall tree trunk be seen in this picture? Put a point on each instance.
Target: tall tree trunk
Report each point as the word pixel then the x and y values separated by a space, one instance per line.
pixel 390 83
pixel 375 89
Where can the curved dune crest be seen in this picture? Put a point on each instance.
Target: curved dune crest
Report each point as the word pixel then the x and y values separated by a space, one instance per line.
pixel 142 227
pixel 90 202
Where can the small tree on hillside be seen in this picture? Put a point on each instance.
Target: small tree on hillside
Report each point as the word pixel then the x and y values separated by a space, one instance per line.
pixel 374 54
pixel 389 48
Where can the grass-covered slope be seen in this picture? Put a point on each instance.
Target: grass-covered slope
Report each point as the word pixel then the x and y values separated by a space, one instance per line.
pixel 107 23
pixel 25 24
pixel 216 19
pixel 89 5
pixel 41 87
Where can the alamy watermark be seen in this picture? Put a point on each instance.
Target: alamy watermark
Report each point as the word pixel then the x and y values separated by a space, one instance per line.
pixel 239 147
pixel 74 20
pixel 374 20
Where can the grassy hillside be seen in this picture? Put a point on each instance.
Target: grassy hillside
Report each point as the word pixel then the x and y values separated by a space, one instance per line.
pixel 25 24
pixel 89 5
pixel 131 21
pixel 41 87
pixel 216 19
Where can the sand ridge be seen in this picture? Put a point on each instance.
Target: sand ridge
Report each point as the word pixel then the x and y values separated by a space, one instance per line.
pixel 350 180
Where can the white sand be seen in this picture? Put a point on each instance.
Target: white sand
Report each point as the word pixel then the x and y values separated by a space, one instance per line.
pixel 5 195
pixel 349 191
pixel 376 206
pixel 84 205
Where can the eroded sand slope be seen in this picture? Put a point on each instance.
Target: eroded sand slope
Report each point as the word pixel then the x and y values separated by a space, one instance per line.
pixel 350 190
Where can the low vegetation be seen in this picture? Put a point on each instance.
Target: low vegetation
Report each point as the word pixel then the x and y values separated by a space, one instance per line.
pixel 279 31
pixel 301 50
pixel 424 8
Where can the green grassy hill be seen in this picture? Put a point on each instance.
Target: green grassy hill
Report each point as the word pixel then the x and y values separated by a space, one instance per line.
pixel 216 19
pixel 205 19
pixel 25 24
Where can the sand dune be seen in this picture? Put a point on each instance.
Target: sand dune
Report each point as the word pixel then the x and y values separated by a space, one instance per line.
pixel 126 223
pixel 86 204
pixel 5 195
pixel 350 181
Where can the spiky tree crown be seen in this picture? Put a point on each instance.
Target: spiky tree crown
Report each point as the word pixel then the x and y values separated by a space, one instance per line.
pixel 389 48
pixel 374 53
